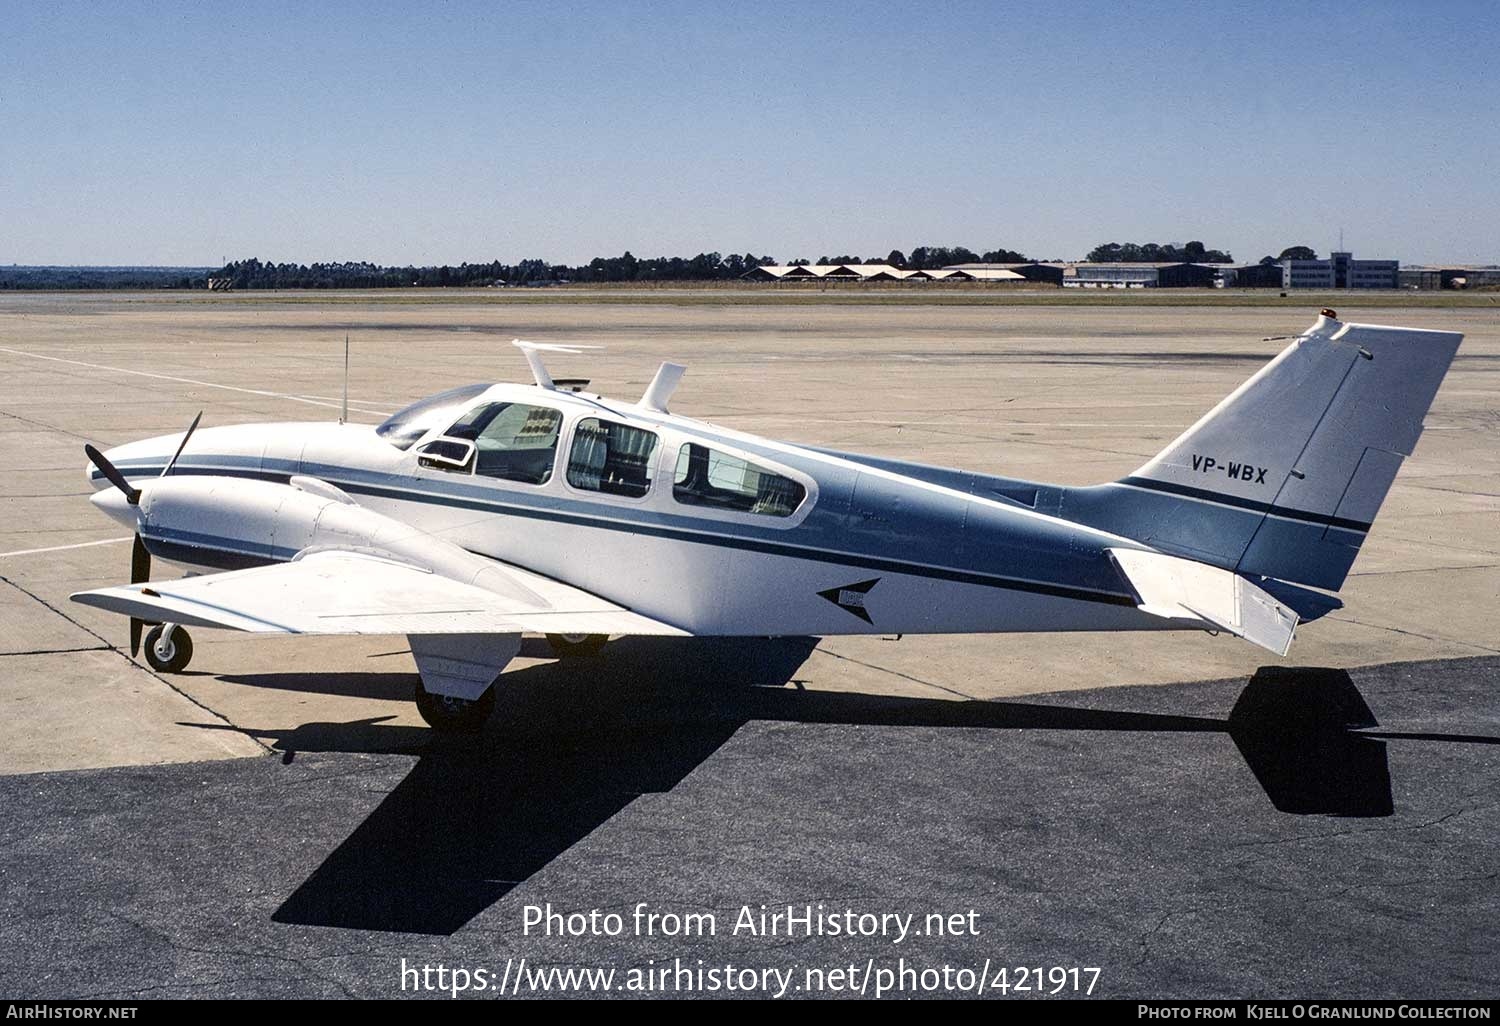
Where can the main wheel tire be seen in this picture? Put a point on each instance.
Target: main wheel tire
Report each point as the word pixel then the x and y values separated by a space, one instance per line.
pixel 569 646
pixel 453 715
pixel 168 653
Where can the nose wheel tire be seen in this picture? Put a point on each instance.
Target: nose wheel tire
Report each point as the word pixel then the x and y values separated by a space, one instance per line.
pixel 568 646
pixel 453 715
pixel 168 651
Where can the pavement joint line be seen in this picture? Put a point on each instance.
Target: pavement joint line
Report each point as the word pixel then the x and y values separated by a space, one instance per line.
pixel 49 606
pixel 58 651
pixel 107 644
pixel 1414 634
pixel 1418 569
pixel 166 377
pixel 1455 491
pixel 897 673
pixel 49 427
pixel 1426 541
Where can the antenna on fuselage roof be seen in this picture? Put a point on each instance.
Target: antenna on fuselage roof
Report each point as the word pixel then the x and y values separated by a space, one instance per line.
pixel 533 351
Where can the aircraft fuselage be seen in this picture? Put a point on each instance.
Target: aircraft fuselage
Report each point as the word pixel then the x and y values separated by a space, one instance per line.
pixel 868 549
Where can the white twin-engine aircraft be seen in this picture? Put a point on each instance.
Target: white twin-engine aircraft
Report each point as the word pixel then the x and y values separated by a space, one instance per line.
pixel 489 511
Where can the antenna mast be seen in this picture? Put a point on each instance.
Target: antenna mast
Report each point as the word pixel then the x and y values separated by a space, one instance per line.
pixel 344 408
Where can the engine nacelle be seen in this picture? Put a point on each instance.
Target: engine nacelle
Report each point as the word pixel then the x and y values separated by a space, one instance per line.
pixel 227 522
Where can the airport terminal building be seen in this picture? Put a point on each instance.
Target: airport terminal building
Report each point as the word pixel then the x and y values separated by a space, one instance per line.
pixel 1340 271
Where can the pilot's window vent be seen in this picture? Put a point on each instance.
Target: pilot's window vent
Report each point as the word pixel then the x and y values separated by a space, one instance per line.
pixel 707 477
pixel 611 458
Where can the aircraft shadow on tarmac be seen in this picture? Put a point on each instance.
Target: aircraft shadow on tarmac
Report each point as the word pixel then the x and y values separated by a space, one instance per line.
pixel 573 743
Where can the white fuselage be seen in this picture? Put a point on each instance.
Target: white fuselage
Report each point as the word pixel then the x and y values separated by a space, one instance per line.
pixel 867 550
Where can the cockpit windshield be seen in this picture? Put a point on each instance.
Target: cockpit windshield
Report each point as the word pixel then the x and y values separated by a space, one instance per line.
pixel 404 427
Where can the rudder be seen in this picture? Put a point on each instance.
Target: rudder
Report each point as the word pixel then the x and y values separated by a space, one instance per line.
pixel 1284 477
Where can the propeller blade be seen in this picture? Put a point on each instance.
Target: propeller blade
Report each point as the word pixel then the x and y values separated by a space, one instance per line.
pixel 191 428
pixel 140 562
pixel 109 470
pixel 140 572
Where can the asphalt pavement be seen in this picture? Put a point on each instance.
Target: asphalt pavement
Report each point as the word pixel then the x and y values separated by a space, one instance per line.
pixel 1303 832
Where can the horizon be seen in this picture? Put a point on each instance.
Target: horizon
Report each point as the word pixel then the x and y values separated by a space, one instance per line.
pixel 154 136
pixel 662 256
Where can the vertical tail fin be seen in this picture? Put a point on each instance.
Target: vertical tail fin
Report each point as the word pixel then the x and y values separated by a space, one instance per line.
pixel 1284 477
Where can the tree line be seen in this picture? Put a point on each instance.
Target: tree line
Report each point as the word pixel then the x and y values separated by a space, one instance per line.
pixel 16 277
pixel 258 274
pixel 1157 252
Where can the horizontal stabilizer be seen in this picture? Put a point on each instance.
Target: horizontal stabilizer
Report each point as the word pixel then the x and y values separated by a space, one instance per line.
pixel 1309 605
pixel 344 592
pixel 1182 589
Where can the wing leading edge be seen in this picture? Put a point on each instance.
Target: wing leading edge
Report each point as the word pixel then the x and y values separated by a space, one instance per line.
pixel 345 592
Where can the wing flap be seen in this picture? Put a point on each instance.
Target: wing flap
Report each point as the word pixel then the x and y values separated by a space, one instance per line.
pixel 343 592
pixel 1182 589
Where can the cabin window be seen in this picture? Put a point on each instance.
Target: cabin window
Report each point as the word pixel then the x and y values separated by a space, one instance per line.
pixel 516 442
pixel 707 477
pixel 611 458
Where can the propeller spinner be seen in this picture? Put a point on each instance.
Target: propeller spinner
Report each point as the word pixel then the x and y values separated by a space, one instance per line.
pixel 140 558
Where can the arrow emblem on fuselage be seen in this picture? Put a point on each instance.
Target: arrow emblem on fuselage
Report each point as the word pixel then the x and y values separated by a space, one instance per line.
pixel 851 598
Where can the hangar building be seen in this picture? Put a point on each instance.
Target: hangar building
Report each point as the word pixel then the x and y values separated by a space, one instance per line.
pixel 875 272
pixel 1036 271
pixel 1124 275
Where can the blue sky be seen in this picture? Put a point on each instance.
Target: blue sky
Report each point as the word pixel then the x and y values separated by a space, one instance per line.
pixel 431 133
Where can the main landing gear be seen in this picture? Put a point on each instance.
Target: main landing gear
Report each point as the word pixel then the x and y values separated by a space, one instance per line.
pixel 168 648
pixel 453 715
pixel 456 677
pixel 569 646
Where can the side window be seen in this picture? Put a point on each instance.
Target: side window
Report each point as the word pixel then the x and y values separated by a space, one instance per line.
pixel 611 458
pixel 706 477
pixel 516 442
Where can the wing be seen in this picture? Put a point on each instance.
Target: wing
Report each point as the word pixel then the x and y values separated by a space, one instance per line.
pixel 1182 589
pixel 342 592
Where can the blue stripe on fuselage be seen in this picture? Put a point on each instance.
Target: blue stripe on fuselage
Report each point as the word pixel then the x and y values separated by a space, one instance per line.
pixel 830 526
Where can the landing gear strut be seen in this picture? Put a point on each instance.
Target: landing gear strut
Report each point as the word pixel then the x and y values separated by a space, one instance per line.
pixel 453 715
pixel 168 648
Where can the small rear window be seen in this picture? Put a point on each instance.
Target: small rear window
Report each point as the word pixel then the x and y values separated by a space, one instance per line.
pixel 707 477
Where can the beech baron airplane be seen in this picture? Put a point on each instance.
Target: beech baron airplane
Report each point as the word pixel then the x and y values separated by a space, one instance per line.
pixel 458 523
